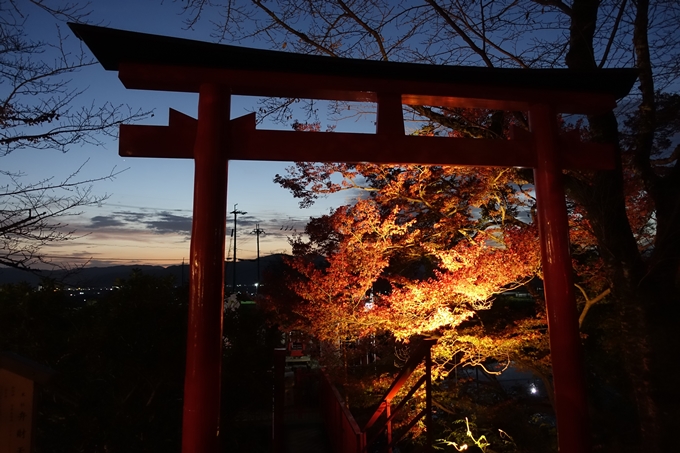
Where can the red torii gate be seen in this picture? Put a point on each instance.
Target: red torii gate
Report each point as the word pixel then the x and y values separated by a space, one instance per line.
pixel 217 71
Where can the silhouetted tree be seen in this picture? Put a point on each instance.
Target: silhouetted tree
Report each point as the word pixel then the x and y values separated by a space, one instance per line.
pixel 40 108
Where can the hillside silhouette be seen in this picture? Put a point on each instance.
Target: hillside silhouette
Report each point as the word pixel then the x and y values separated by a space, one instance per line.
pixel 100 277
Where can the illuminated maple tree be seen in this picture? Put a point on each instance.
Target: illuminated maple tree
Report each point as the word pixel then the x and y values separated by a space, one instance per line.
pixel 422 250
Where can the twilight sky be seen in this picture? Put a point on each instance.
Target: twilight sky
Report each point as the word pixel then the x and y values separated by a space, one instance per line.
pixel 147 217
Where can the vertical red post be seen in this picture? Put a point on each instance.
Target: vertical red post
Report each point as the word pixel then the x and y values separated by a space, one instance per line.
pixel 388 429
pixel 201 418
pixel 428 401
pixel 571 406
pixel 390 117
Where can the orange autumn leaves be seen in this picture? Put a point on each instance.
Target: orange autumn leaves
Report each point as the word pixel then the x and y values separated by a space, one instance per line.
pixel 422 252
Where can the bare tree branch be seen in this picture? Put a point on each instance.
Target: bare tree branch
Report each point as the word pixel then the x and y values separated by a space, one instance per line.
pixel 590 302
pixel 41 109
pixel 374 33
pixel 557 4
pixel 303 37
pixel 449 20
pixel 612 35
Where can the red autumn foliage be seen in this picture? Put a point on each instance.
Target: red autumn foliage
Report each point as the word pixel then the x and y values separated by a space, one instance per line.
pixel 429 246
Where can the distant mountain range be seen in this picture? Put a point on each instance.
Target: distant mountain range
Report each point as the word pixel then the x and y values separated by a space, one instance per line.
pixel 101 277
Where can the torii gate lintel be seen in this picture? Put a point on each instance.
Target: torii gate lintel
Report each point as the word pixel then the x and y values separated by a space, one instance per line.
pixel 388 145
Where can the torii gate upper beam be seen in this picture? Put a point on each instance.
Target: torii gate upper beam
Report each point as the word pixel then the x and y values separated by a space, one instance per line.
pixel 217 71
pixel 152 62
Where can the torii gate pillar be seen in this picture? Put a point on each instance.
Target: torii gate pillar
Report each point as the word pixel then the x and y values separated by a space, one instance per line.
pixel 201 418
pixel 571 405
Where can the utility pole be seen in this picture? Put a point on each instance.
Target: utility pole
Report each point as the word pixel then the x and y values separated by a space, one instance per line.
pixel 257 232
pixel 235 212
pixel 231 237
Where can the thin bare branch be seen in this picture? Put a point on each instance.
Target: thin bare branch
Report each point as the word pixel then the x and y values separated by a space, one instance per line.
pixel 612 35
pixel 302 36
pixel 590 302
pixel 449 20
pixel 374 33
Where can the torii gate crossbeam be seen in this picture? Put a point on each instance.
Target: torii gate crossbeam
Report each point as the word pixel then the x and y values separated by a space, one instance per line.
pixel 216 72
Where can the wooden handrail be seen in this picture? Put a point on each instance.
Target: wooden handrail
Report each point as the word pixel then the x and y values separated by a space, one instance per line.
pixel 422 352
pixel 411 364
pixel 408 427
pixel 345 434
pixel 342 428
pixel 396 410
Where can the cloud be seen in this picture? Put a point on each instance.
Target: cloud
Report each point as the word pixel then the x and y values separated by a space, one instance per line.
pixel 132 217
pixel 103 221
pixel 126 223
pixel 244 222
pixel 166 222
